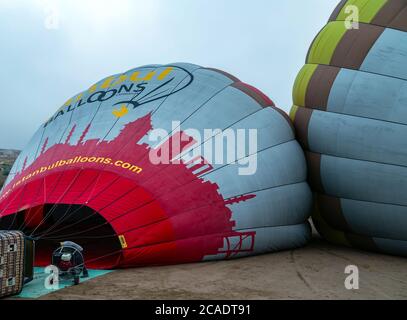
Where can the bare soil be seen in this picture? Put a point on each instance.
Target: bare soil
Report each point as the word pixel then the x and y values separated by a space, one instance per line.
pixel 313 272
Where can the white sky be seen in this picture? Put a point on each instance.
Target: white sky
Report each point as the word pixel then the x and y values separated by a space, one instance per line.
pixel 53 49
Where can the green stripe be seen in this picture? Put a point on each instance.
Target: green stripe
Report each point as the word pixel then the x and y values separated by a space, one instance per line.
pixel 293 112
pixel 301 84
pixel 326 42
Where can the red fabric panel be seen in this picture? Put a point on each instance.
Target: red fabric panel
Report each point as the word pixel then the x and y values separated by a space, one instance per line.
pixel 33 217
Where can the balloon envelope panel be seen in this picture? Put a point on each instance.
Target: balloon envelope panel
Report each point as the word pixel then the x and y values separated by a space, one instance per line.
pixel 125 169
pixel 350 102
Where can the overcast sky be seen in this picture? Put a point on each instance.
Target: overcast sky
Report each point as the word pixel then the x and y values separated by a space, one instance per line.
pixel 53 49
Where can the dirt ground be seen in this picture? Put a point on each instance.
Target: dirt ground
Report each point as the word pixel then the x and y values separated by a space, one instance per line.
pixel 313 272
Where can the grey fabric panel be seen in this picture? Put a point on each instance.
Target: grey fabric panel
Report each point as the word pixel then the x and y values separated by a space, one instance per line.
pixel 369 95
pixel 270 129
pixel 272 239
pixel 285 205
pixel 282 238
pixel 358 138
pixel 389 55
pixel 396 247
pixel 206 85
pixel 376 219
pixel 281 165
pixel 233 104
pixel 363 180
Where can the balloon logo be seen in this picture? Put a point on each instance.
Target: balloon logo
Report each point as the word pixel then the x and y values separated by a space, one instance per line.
pixel 147 95
pixel 120 113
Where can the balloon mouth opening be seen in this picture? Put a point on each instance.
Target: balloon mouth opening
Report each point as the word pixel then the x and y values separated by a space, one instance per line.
pixel 51 224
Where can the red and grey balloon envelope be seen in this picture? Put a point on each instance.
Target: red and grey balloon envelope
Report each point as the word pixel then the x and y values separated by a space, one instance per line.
pixel 95 173
pixel 350 114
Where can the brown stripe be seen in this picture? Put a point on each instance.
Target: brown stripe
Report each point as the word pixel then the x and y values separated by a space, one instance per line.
pixel 228 75
pixel 256 94
pixel 331 210
pixel 319 87
pixel 314 171
pixel 355 45
pixel 301 123
pixel 337 10
pixel 285 116
pixel 362 242
pixel 400 22
pixel 393 15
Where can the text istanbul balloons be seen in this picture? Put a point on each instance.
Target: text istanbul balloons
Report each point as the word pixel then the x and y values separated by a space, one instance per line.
pixel 350 112
pixel 125 169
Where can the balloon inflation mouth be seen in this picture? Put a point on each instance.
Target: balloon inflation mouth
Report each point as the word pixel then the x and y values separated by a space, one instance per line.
pixel 51 224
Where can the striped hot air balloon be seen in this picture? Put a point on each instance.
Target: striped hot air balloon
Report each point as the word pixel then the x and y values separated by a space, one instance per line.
pixel 124 169
pixel 350 113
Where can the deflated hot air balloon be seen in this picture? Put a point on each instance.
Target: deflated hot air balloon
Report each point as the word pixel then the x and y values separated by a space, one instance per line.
pixel 350 112
pixel 162 165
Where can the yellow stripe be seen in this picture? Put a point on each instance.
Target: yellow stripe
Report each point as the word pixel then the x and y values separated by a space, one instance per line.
pixel 67 103
pixel 149 76
pixel 368 9
pixel 121 79
pixel 107 83
pixel 326 42
pixel 301 84
pixel 93 88
pixel 79 97
pixel 293 112
pixel 123 242
pixel 134 77
pixel 165 73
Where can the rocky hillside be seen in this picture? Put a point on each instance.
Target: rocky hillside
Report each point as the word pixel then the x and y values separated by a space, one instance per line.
pixel 7 158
